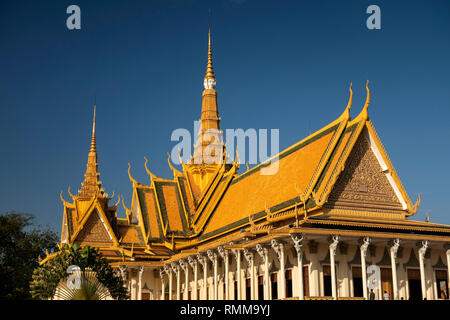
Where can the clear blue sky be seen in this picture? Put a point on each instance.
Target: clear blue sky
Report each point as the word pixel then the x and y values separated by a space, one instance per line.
pixel 279 64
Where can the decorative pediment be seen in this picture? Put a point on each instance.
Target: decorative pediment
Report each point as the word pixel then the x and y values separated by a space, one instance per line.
pixel 94 231
pixel 364 183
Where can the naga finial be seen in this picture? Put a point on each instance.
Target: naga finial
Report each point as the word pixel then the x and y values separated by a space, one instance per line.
pixel 62 199
pixel 123 204
pixel 364 115
pixel 416 205
pixel 350 100
pixel 71 195
pixel 317 199
pixel 171 166
pixel 251 221
pixel 153 177
pixel 118 201
pixel 303 199
pixel 366 106
pixel 146 168
pixel 179 157
pixel 266 208
pixel 129 174
pixel 237 163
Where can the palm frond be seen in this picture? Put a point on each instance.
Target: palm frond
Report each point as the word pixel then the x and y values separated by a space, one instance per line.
pixel 85 287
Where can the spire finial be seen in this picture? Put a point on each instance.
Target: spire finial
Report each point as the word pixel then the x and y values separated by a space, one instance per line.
pixel 91 184
pixel 210 80
pixel 93 142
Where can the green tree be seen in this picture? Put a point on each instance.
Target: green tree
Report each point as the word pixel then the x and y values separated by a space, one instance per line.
pixel 21 244
pixel 47 277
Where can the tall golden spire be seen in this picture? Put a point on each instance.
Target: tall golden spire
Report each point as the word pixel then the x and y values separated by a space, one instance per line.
pixel 209 149
pixel 209 66
pixel 209 134
pixel 210 80
pixel 93 142
pixel 92 185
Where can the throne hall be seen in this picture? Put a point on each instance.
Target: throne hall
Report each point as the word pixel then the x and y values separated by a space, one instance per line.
pixel 334 207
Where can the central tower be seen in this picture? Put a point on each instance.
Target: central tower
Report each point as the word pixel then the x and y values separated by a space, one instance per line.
pixel 209 149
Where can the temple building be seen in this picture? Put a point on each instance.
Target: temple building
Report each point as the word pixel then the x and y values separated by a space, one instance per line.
pixel 333 218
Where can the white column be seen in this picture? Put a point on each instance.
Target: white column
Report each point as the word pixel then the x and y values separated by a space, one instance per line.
pixel 394 249
pixel 203 262
pixel 278 247
pixel 224 254
pixel 447 247
pixel 249 257
pixel 185 269
pixel 169 275
pixel 279 250
pixel 213 258
pixel 227 276
pixel 333 247
pixel 176 269
pixel 124 275
pixel 297 239
pixel 170 285
pixel 193 264
pixel 237 255
pixel 422 250
pixel 262 251
pixel 133 285
pixel 141 273
pixel 163 283
pixel 363 249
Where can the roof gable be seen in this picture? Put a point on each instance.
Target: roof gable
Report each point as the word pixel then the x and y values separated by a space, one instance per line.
pixel 95 220
pixel 364 182
pixel 95 231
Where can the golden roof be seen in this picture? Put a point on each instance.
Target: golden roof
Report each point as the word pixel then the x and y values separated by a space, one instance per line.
pixel 339 175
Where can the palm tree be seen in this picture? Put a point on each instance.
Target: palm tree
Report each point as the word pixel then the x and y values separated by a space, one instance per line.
pixel 94 277
pixel 82 286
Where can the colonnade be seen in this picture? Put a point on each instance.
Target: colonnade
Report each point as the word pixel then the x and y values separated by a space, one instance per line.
pixel 197 265
pixel 200 261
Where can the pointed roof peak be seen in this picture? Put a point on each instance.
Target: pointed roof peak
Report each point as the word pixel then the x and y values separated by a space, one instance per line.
pixel 368 95
pixel 92 185
pixel 209 67
pixel 210 80
pixel 364 115
pixel 350 99
pixel 93 140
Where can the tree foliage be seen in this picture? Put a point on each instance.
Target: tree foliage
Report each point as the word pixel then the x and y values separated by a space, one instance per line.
pixel 47 277
pixel 21 244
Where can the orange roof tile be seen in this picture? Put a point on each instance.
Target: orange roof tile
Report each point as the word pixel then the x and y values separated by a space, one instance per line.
pixel 149 212
pixel 130 234
pixel 187 197
pixel 250 192
pixel 172 207
pixel 172 211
